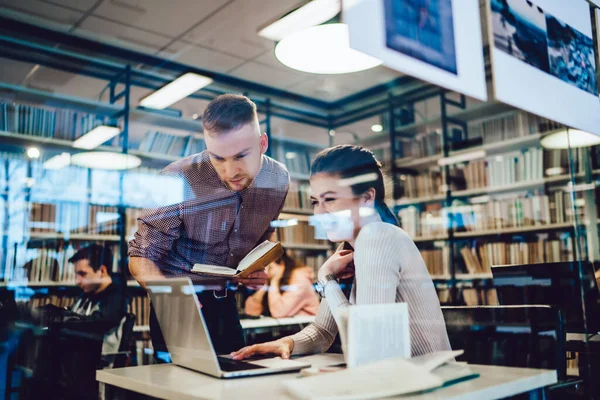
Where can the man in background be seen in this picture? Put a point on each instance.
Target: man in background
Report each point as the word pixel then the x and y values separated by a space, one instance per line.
pixel 102 300
pixel 232 192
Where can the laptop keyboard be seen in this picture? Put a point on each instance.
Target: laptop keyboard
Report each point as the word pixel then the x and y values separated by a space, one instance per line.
pixel 229 365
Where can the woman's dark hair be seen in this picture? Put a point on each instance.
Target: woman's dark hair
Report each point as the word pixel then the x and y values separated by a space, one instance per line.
pixel 350 161
pixel 289 265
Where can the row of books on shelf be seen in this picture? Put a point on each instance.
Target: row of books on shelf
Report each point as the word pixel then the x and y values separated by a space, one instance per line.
pixel 298 196
pixel 303 233
pixel 64 301
pixel 503 170
pixel 506 127
pixel 510 168
pixel 537 210
pixel 47 265
pixel 140 306
pixel 437 261
pixel 422 145
pixel 470 296
pixel 495 214
pixel 425 184
pixel 174 145
pixel 511 126
pixel 46 122
pixel 479 258
pixel 63 217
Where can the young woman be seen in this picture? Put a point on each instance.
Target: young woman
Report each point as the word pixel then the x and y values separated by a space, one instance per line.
pixel 289 291
pixel 348 194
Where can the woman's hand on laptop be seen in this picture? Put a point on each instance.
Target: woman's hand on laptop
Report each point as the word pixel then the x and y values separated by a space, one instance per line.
pixel 255 280
pixel 282 347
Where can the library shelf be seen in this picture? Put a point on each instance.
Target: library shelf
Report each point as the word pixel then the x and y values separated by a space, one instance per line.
pixel 67 146
pixel 469 114
pixel 489 148
pixel 21 93
pixel 470 277
pixel 441 277
pixel 412 162
pixel 514 187
pixel 297 211
pixel 304 246
pixel 141 328
pixel 73 237
pixel 67 284
pixel 420 200
pixel 420 239
pixel 516 230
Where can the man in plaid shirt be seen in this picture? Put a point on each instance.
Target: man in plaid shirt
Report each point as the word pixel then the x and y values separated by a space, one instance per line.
pixel 232 192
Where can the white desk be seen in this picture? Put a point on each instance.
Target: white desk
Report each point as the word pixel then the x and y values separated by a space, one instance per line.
pixel 269 322
pixel 168 381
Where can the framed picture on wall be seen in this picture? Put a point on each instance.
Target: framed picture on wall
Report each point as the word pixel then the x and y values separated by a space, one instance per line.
pixel 438 41
pixel 423 30
pixel 544 61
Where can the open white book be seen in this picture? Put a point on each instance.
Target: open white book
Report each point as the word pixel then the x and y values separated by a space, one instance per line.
pixel 391 377
pixel 373 332
pixel 261 256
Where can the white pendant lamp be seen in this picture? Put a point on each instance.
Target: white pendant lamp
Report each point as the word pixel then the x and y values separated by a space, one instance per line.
pixel 572 138
pixel 323 49
pixel 105 160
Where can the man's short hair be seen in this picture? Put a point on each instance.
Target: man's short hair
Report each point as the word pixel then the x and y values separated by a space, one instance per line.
pixel 96 255
pixel 227 113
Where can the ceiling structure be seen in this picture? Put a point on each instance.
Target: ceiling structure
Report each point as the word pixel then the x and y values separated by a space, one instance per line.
pixel 213 35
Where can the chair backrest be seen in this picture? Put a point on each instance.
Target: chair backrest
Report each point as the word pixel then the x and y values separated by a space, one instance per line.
pixel 531 336
pixel 127 335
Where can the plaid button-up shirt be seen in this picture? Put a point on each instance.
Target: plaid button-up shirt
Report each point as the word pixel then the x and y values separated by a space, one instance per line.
pixel 213 224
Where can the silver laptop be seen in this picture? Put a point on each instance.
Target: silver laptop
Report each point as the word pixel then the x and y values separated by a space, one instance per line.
pixel 186 335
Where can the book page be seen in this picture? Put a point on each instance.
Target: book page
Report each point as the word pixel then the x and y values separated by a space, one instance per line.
pixel 341 319
pixel 431 361
pixel 213 269
pixel 255 254
pixel 373 381
pixel 377 332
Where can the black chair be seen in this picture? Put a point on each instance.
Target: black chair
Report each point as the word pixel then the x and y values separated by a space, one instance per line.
pixel 122 356
pixel 529 336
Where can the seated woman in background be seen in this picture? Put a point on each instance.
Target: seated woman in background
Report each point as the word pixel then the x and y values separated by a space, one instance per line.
pixel 289 291
pixel 348 194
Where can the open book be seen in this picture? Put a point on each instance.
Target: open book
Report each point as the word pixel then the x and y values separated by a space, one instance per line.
pixel 391 377
pixel 373 332
pixel 261 256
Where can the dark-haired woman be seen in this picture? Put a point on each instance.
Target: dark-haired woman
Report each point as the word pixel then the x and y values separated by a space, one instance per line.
pixel 289 292
pixel 347 193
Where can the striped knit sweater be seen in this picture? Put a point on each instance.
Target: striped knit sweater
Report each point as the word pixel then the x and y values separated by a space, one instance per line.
pixel 388 268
